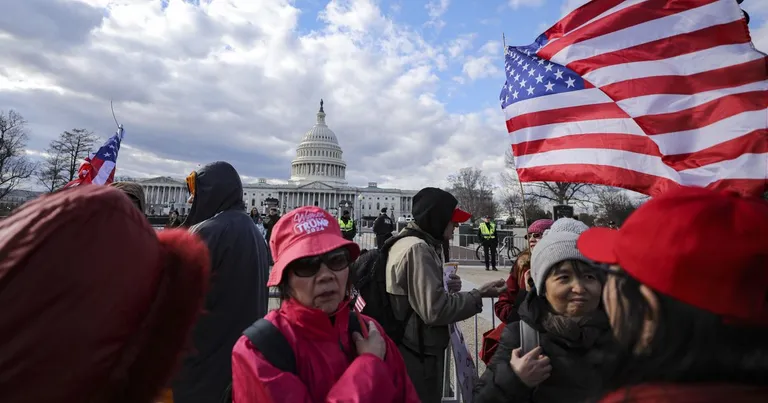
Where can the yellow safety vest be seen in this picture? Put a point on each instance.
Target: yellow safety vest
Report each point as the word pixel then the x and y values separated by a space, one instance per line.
pixel 488 233
pixel 346 226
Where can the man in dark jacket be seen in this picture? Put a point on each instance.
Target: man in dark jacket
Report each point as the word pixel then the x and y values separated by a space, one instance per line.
pixel 238 293
pixel 383 227
pixel 270 221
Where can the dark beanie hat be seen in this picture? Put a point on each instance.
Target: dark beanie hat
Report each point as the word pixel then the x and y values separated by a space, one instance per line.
pixel 432 210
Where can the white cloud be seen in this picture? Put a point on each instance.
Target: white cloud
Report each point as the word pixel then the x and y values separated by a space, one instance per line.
pixel 485 64
pixel 237 80
pixel 515 4
pixel 570 5
pixel 435 10
pixel 758 13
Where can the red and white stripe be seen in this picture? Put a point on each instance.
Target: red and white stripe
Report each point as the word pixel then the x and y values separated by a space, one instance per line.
pixel 676 94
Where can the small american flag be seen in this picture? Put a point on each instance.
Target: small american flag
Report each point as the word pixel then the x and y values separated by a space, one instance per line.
pixel 99 168
pixel 359 301
pixel 641 94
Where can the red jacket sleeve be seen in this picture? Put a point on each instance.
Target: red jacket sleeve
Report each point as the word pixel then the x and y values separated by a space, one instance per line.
pixel 367 379
pixel 505 306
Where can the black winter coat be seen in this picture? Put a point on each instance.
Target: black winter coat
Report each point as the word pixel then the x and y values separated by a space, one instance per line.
pixel 577 350
pixel 238 293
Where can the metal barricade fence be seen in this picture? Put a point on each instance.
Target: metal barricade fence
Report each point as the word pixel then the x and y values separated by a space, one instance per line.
pixel 473 329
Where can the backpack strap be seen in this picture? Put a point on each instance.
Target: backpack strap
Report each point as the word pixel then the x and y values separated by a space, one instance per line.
pixel 354 324
pixel 271 343
pixel 529 337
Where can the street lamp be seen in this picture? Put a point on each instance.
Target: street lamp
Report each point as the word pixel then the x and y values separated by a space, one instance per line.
pixel 360 219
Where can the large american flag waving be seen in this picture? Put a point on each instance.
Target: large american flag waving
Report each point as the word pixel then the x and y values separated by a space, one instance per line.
pixel 99 168
pixel 644 95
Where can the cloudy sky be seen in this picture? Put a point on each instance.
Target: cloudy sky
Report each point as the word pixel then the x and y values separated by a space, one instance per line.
pixel 410 87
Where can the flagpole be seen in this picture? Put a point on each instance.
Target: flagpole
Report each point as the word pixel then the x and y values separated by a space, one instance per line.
pixel 522 189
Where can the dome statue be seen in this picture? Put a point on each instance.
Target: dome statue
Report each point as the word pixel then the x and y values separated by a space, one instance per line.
pixel 318 156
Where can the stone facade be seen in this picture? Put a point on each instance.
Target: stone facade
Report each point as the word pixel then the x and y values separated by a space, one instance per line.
pixel 318 177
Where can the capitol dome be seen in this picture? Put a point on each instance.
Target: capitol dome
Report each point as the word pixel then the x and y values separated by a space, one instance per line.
pixel 318 156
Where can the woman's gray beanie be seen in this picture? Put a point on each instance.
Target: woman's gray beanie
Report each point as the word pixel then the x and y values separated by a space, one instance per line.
pixel 566 224
pixel 552 249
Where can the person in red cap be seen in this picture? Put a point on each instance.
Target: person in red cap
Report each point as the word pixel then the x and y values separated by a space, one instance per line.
pixel 96 306
pixel 312 273
pixel 414 283
pixel 687 298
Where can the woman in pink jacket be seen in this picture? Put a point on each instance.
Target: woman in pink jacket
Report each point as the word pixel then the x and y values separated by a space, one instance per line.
pixel 312 272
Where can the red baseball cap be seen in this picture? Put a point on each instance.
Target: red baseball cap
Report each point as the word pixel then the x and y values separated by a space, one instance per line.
pixel 305 231
pixel 460 215
pixel 701 247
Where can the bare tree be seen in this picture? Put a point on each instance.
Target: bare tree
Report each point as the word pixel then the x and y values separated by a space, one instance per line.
pixel 474 191
pixel 614 204
pixel 554 192
pixel 15 167
pixel 52 170
pixel 73 146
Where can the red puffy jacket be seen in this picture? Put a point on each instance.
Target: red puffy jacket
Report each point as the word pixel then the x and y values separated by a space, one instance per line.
pixel 328 369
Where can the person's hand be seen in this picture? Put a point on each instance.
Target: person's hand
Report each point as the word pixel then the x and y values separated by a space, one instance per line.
pixel 492 289
pixel 532 368
pixel 527 280
pixel 453 283
pixel 374 344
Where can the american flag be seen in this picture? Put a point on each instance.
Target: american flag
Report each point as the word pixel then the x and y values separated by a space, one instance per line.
pixel 644 95
pixel 359 301
pixel 99 168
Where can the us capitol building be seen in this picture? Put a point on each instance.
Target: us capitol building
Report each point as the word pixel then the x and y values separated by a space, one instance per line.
pixel 317 179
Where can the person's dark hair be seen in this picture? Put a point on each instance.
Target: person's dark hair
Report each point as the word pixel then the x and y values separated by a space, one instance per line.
pixel 689 344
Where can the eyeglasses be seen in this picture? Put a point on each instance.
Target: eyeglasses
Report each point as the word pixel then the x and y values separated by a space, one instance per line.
pixel 191 182
pixel 336 260
pixel 534 235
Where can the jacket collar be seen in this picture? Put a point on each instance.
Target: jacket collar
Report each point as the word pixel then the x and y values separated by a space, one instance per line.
pixel 427 237
pixel 315 323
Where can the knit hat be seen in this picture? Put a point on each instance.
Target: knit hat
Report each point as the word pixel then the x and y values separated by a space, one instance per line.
pixel 552 249
pixel 566 224
pixel 134 191
pixel 539 226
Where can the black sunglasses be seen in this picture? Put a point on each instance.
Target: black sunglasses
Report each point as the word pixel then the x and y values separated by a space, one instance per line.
pixel 336 260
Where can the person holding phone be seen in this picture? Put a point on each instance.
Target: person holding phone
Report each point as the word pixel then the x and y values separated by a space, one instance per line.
pixel 563 308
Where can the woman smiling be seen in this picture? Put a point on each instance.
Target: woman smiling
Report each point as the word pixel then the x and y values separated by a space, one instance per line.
pixel 312 273
pixel 563 307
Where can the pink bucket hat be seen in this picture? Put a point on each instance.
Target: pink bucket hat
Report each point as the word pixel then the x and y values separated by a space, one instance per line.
pixel 305 231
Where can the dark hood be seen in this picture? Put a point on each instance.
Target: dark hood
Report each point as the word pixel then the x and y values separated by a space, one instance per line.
pixel 432 210
pixel 217 188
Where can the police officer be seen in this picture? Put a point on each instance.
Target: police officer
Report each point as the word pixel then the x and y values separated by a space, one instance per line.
pixel 348 229
pixel 383 227
pixel 487 234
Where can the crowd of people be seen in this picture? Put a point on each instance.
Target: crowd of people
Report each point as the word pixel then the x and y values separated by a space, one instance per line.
pixel 99 307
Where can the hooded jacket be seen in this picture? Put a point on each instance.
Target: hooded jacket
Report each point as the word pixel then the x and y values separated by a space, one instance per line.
pixel 415 276
pixel 578 351
pixel 328 368
pixel 96 306
pixel 238 295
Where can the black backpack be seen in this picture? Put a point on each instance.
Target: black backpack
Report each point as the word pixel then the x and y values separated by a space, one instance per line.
pixel 371 284
pixel 271 343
